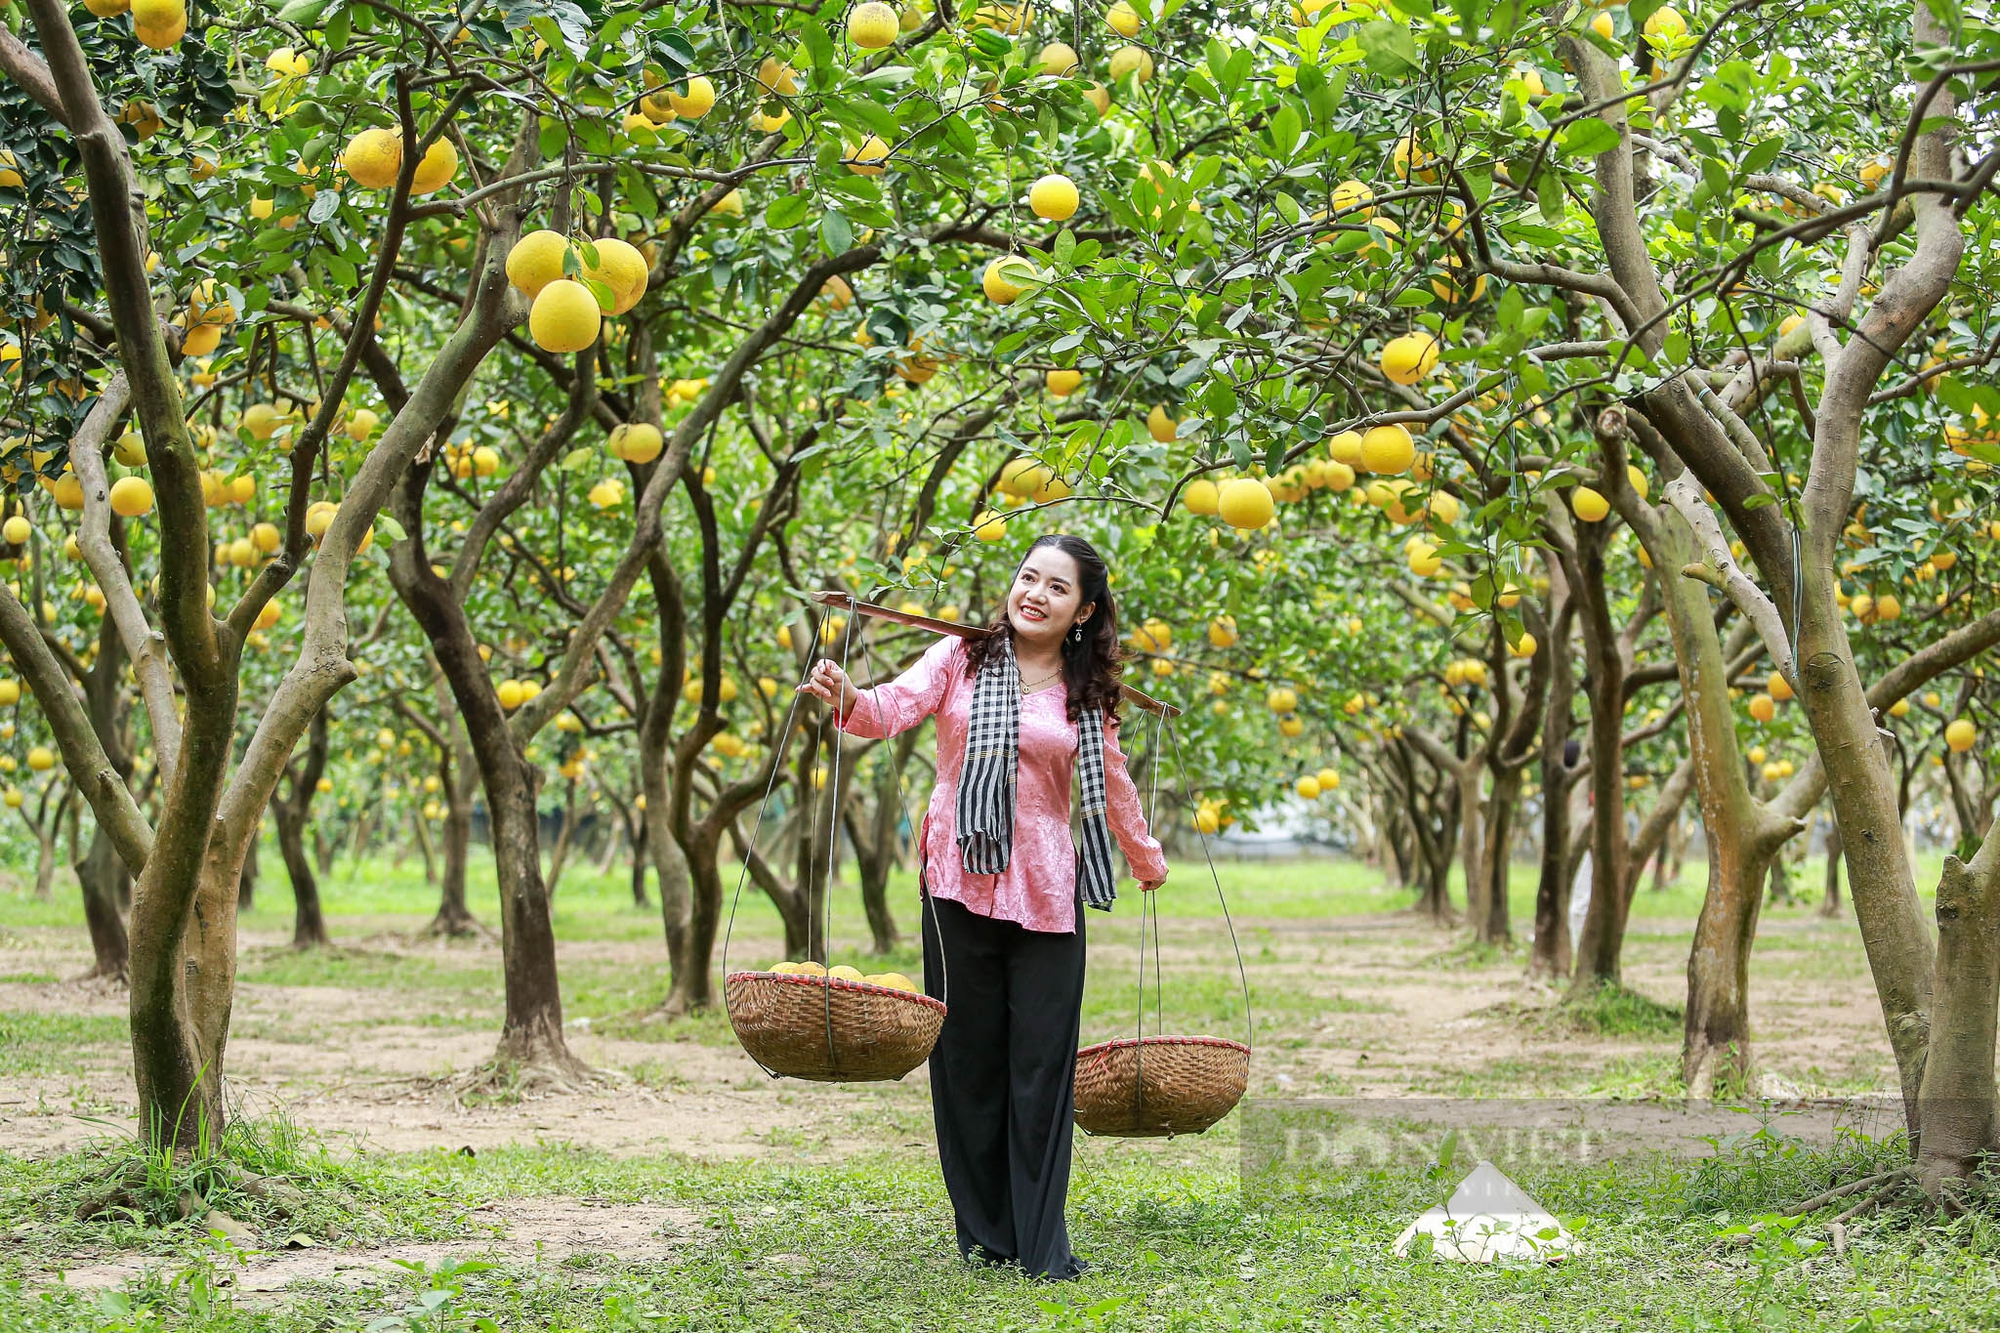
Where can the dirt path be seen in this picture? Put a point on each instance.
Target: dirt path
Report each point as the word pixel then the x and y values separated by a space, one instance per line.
pixel 1371 1007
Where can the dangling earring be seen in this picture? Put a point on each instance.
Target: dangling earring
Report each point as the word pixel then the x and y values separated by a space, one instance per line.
pixel 1077 633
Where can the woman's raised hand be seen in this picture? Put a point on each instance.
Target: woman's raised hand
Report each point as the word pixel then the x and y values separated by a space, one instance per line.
pixel 827 681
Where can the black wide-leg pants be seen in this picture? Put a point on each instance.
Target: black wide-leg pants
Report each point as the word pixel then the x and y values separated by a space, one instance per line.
pixel 1003 1081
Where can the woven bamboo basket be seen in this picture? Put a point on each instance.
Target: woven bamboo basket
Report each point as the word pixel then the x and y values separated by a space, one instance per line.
pixel 831 1030
pixel 1159 1086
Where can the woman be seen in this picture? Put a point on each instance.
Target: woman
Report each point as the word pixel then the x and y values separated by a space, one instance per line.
pixel 1019 711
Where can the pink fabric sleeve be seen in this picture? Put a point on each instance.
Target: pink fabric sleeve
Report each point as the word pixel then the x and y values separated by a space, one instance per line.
pixel 891 709
pixel 1125 816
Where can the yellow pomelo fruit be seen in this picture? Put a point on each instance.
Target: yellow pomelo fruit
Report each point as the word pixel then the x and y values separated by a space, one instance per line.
pixel 843 972
pixel 1063 383
pixel 1201 496
pixel 131 497
pixel 873 25
pixel 1960 735
pixel 436 169
pixel 696 101
pixel 68 491
pixel 201 340
pixel 1057 59
pixel 1665 23
pixel 1054 198
pixel 994 281
pixel 159 23
pixel 775 77
pixel 1161 425
pixel 373 157
pixel 536 261
pixel 637 442
pixel 266 537
pixel 621 268
pixel 1245 503
pixel 1407 359
pixel 864 158
pixel 989 526
pixel 1345 448
pixel 1308 787
pixel 1588 505
pixel 107 9
pixel 1124 19
pixel 1131 60
pixel 362 424
pixel 565 317
pixel 17 530
pixel 1388 450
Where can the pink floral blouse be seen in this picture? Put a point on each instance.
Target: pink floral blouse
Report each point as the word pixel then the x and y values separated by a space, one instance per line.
pixel 1038 888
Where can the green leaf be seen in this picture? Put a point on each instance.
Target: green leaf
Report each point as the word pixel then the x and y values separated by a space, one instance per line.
pixel 786 211
pixel 1388 49
pixel 304 13
pixel 836 232
pixel 1764 154
pixel 1589 137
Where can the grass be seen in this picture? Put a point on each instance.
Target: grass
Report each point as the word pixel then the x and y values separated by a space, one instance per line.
pixel 41 1042
pixel 861 1239
pixel 1179 1245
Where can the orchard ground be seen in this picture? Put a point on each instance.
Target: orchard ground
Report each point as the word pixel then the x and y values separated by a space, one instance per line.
pixel 692 1192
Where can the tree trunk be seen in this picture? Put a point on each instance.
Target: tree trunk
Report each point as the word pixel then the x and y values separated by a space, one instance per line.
pixel 1496 925
pixel 453 916
pixel 565 835
pixel 639 859
pixel 1715 1032
pixel 1551 955
pixel 246 879
pixel 308 921
pixel 456 775
pixel 45 859
pixel 323 851
pixel 531 1032
pixel 790 903
pixel 1599 950
pixel 1829 903
pixel 1956 1104
pixel 875 847
pixel 98 873
pixel 421 827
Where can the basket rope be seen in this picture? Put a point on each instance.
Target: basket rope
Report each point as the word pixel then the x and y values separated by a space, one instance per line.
pixel 829 802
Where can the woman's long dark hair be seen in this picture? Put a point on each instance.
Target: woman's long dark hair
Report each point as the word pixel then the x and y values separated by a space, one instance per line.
pixel 1091 667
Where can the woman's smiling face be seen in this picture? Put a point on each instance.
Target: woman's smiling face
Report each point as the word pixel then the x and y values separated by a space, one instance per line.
pixel 1045 603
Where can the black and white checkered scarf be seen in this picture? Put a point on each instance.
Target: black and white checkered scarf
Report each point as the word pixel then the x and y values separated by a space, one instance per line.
pixel 987 782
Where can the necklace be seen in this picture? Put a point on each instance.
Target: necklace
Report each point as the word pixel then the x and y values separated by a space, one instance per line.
pixel 1027 686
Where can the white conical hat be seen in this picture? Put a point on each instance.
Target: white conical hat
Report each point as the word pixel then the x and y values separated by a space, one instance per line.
pixel 1489 1217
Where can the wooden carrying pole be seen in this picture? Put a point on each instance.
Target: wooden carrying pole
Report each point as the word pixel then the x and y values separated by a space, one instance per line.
pixel 848 602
